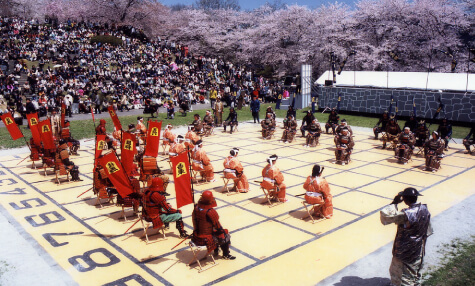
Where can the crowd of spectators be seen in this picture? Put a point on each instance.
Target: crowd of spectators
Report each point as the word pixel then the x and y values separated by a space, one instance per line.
pixel 58 63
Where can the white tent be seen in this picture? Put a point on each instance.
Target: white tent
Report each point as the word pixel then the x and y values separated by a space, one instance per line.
pixel 402 80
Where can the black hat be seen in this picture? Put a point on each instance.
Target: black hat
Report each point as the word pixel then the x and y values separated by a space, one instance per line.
pixel 131 126
pixel 234 151
pixel 410 192
pixel 199 142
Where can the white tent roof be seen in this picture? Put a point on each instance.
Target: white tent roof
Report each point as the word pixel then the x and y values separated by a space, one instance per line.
pixel 404 80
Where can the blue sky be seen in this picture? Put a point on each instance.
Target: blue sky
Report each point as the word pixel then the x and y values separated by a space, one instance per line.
pixel 252 4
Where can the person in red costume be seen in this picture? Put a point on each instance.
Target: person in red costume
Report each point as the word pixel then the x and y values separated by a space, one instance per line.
pixel 207 229
pixel 158 211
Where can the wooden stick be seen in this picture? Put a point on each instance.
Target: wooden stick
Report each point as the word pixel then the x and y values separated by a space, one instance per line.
pixel 23 160
pixel 132 226
pixel 178 243
pixel 84 192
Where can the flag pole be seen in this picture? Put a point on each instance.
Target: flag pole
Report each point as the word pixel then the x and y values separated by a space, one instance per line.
pixel 191 175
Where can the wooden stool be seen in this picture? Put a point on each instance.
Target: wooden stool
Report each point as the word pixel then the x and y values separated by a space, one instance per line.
pixel 164 147
pixel 318 206
pixel 226 188
pixel 196 249
pixel 269 197
pixel 146 225
pixel 60 170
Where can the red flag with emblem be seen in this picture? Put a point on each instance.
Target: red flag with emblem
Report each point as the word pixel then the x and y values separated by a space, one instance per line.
pixel 114 117
pixel 128 152
pixel 101 144
pixel 182 178
pixel 33 123
pixel 153 138
pixel 46 134
pixel 63 114
pixel 11 125
pixel 116 174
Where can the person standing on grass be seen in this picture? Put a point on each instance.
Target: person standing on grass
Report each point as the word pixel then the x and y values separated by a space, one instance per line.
pixel 255 108
pixel 413 228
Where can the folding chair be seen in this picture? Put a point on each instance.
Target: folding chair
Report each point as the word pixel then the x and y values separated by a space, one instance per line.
pixel 271 200
pixel 146 225
pixel 60 170
pixel 103 195
pixel 164 147
pixel 318 207
pixel 196 249
pixel 226 187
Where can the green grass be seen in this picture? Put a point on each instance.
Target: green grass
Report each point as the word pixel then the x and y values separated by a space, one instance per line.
pixel 458 265
pixel 81 129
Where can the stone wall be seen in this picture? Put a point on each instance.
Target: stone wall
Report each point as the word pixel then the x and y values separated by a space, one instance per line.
pixel 458 106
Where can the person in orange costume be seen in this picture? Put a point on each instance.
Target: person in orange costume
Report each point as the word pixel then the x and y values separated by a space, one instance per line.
pixel 202 163
pixel 178 147
pixel 318 192
pixel 140 127
pixel 191 138
pixel 273 180
pixel 168 136
pixel 234 170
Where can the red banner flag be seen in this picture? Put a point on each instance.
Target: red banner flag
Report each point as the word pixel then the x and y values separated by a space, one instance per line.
pixel 46 134
pixel 10 123
pixel 116 174
pixel 153 138
pixel 92 113
pixel 33 123
pixel 182 178
pixel 101 144
pixel 63 114
pixel 114 117
pixel 128 152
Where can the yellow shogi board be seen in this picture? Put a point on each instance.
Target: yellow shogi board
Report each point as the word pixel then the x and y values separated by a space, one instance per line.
pixel 272 245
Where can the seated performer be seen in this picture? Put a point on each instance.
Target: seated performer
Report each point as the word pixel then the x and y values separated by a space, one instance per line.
pixel 434 152
pixel 290 129
pixel 405 147
pixel 314 131
pixel 318 192
pixel 411 123
pixel 231 120
pixel 158 211
pixel 421 134
pixel 68 164
pixel 191 138
pixel 197 124
pixel 273 180
pixel 332 122
pixel 467 142
pixel 392 132
pixel 101 130
pixel 344 147
pixel 66 135
pixel 234 170
pixel 117 135
pixel 178 147
pixel 168 136
pixel 206 227
pixel 268 126
pixel 445 132
pixel 208 123
pixel 306 121
pixel 271 111
pixel 202 163
pixel 383 121
pixel 342 125
pixel 140 128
